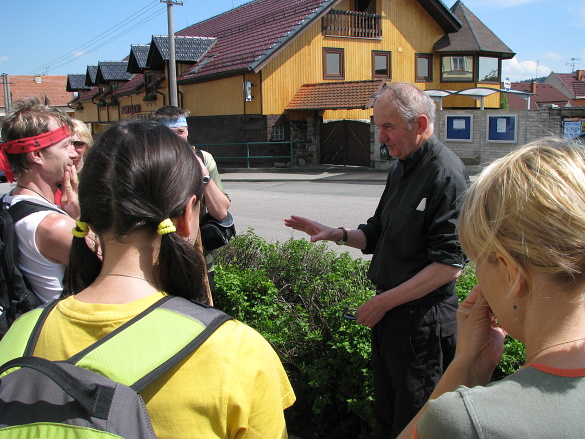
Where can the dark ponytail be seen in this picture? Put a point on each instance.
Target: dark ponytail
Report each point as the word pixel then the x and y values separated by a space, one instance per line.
pixel 136 175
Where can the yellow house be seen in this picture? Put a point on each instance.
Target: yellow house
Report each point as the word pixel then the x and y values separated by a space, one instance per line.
pixel 306 70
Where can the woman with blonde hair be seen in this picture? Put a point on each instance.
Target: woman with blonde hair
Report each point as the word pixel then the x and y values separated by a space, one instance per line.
pixel 82 141
pixel 523 224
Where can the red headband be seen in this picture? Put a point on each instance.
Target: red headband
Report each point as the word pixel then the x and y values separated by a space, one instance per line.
pixel 30 144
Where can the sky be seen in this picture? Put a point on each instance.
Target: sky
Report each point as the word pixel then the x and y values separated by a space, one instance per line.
pixel 65 36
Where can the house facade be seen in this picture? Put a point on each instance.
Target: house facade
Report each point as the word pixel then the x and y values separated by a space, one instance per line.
pixel 303 71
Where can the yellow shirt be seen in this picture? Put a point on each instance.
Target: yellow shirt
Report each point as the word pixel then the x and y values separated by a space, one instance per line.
pixel 233 386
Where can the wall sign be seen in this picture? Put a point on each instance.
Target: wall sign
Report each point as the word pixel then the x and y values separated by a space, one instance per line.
pixel 459 128
pixel 502 128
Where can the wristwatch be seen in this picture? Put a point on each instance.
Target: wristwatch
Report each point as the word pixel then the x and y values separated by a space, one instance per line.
pixel 343 239
pixel 206 178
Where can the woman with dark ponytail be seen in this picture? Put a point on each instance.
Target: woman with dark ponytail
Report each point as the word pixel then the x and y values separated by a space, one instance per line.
pixel 140 192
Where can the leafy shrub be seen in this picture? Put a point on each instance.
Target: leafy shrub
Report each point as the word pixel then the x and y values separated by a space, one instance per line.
pixel 294 294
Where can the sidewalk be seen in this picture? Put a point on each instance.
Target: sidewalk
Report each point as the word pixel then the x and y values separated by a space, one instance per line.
pixel 306 173
pixel 324 173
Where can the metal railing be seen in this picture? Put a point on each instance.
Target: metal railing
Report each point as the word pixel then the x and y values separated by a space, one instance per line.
pixel 352 24
pixel 249 151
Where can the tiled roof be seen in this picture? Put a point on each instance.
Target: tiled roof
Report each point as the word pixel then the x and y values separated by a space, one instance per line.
pixel 544 94
pixel 91 75
pixel 138 57
pixel 570 81
pixel 474 36
pixel 112 71
pixel 76 83
pixel 131 87
pixel 88 96
pixel 249 34
pixel 336 95
pixel 23 86
pixel 187 49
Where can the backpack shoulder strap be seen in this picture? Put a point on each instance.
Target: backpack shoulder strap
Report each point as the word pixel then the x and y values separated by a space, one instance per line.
pixel 24 208
pixel 151 343
pixel 23 335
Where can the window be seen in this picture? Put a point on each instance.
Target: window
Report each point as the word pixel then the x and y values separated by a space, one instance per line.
pixel 365 6
pixel 381 64
pixel 488 69
pixel 333 63
pixel 278 132
pixel 457 68
pixel 424 67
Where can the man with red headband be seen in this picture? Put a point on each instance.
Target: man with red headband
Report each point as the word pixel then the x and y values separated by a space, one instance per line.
pixel 38 154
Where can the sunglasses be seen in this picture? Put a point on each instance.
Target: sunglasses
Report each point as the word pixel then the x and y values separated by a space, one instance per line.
pixel 349 314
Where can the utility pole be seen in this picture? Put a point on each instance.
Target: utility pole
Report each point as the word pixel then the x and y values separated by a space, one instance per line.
pixel 173 95
pixel 7 97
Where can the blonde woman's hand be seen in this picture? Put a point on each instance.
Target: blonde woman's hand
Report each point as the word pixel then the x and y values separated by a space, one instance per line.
pixel 480 341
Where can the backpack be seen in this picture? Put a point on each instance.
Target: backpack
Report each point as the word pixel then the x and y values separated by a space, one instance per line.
pixel 16 297
pixel 95 393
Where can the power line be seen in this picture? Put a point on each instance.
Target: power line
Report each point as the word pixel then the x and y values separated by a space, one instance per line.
pixel 112 38
pixel 98 40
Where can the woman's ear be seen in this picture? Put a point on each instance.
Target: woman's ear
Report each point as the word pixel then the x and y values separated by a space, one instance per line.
pixel 514 276
pixel 188 223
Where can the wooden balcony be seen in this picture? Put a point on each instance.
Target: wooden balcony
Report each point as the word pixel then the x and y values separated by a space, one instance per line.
pixel 352 24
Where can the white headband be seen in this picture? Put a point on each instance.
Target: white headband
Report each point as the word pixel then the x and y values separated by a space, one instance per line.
pixel 179 122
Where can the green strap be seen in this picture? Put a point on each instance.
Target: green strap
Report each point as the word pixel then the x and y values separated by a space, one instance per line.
pixel 142 346
pixel 139 351
pixel 149 345
pixel 14 343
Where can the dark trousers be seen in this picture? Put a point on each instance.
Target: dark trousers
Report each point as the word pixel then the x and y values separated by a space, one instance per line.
pixel 411 347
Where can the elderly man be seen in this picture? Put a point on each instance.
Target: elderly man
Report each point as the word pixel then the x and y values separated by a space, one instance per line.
pixel 416 257
pixel 38 153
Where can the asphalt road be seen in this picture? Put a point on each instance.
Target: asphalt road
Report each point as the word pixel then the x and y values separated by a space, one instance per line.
pixel 262 206
pixel 261 202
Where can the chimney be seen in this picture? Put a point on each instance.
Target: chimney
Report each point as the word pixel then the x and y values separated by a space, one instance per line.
pixel 533 87
pixel 38 79
pixel 580 75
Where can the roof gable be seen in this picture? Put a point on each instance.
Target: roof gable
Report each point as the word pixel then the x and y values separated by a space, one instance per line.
pixel 91 76
pixel 76 83
pixel 474 36
pixel 138 57
pixel 187 49
pixel 112 71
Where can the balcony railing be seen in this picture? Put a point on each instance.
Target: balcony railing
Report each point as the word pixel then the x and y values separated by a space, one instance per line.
pixel 352 24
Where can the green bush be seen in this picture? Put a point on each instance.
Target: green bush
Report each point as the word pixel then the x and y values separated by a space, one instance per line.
pixel 294 294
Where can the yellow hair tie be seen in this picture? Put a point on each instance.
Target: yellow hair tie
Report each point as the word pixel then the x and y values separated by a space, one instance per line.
pixel 166 227
pixel 81 229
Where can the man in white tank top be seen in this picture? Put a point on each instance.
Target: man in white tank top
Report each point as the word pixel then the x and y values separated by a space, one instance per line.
pixel 38 154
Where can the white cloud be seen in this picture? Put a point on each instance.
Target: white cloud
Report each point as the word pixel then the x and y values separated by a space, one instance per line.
pixel 78 54
pixel 3 59
pixel 518 70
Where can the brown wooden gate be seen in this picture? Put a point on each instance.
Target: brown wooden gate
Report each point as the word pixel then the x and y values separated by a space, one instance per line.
pixel 345 142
